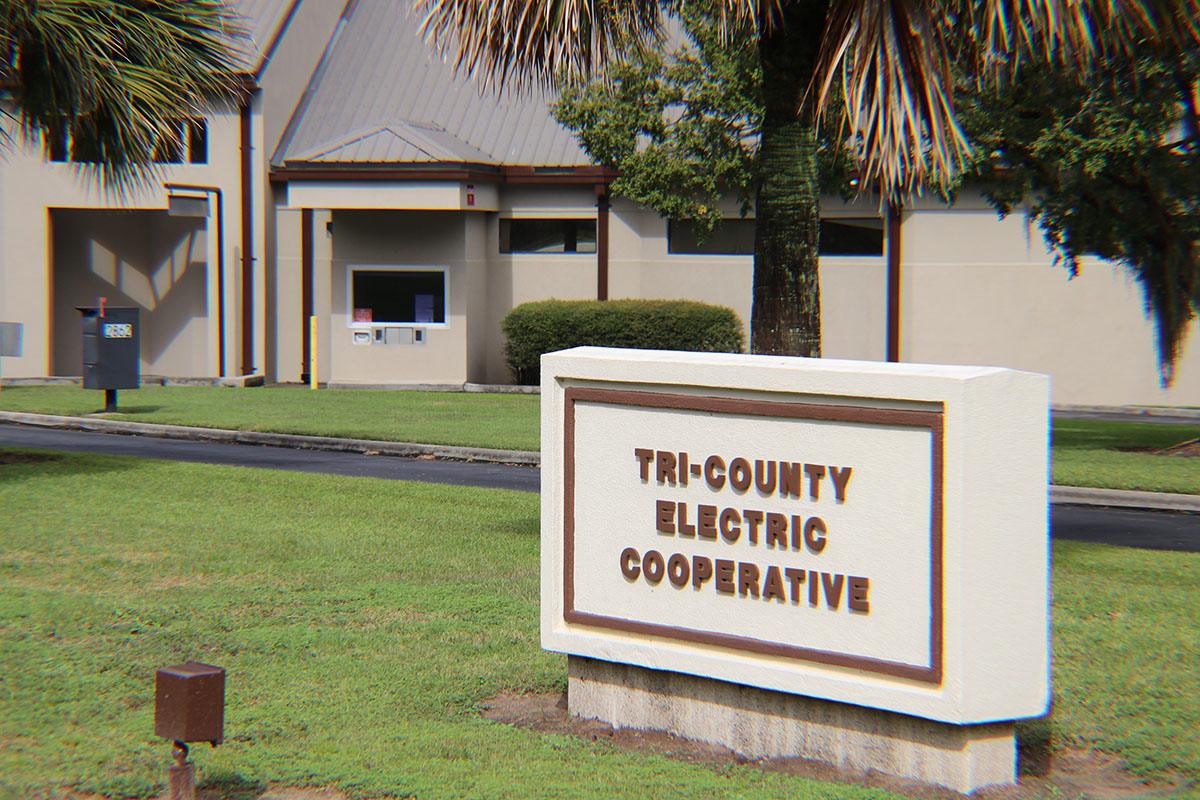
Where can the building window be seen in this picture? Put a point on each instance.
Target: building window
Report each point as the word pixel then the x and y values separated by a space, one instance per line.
pixel 840 236
pixel 547 236
pixel 197 141
pixel 852 236
pixel 183 138
pixel 409 297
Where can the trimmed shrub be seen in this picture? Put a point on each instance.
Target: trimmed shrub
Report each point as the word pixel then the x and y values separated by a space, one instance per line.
pixel 532 329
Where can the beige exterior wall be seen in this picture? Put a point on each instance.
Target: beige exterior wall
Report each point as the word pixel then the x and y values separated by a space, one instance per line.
pixel 31 190
pixel 979 290
pixel 423 240
pixel 144 259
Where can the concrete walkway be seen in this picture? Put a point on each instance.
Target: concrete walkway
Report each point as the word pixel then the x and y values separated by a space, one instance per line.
pixel 1062 495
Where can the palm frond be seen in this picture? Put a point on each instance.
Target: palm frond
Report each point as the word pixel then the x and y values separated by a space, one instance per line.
pixel 536 40
pixel 117 75
pixel 890 60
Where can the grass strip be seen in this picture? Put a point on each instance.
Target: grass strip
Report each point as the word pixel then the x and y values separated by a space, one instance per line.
pixel 504 421
pixel 1102 454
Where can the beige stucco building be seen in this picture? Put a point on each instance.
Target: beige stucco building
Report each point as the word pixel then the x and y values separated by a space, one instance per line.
pixel 408 209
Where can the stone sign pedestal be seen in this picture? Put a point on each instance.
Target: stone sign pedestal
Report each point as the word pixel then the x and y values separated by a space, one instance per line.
pixel 834 560
pixel 759 723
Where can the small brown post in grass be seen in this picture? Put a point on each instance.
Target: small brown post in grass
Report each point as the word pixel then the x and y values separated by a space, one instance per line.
pixel 189 706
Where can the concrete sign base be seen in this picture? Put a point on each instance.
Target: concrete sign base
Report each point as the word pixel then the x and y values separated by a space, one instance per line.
pixel 760 723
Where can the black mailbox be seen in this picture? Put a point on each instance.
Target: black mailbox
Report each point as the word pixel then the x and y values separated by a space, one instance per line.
pixel 111 350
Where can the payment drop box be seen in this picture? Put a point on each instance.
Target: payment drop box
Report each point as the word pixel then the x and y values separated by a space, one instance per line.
pixel 111 348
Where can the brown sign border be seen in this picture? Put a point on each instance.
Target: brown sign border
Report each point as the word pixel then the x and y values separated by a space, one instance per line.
pixel 932 420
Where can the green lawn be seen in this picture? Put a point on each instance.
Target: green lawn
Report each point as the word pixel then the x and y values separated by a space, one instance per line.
pixel 1085 453
pixel 363 622
pixel 505 421
pixel 1119 455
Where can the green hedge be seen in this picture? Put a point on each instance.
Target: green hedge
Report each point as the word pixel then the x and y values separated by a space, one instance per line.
pixel 548 325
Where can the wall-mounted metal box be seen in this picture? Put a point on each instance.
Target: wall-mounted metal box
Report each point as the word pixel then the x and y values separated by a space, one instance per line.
pixel 10 339
pixel 111 348
pixel 189 703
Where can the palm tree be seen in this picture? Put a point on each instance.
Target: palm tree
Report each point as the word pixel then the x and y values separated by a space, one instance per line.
pixel 113 78
pixel 889 62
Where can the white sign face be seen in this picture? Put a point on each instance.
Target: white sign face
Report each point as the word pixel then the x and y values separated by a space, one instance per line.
pixel 878 538
pixel 793 530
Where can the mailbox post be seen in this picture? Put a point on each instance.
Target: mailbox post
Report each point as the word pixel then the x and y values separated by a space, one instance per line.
pixel 189 706
pixel 111 350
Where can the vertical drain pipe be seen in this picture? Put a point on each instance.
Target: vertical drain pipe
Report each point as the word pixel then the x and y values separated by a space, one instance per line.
pixel 306 293
pixel 247 244
pixel 602 213
pixel 893 281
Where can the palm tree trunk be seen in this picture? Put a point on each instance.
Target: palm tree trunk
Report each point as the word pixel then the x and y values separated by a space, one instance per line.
pixel 785 318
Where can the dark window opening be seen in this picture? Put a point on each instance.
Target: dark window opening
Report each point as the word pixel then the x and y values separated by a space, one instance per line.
pixel 840 236
pixel 852 236
pixel 169 148
pixel 197 138
pixel 56 141
pixel 547 236
pixel 412 298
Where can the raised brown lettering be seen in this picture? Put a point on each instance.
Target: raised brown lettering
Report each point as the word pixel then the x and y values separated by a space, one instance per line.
pixel 652 566
pixel 814 534
pixel 833 589
pixel 724 579
pixel 683 469
pixel 644 457
pixel 753 520
pixel 815 473
pixel 702 570
pixel 678 570
pixel 666 467
pixel 795 578
pixel 706 522
pixel 856 596
pixel 776 530
pixel 685 529
pixel 789 479
pixel 814 587
pixel 740 475
pixel 765 483
pixel 731 525
pixel 629 564
pixel 773 585
pixel 840 477
pixel 747 579
pixel 714 473
pixel 664 516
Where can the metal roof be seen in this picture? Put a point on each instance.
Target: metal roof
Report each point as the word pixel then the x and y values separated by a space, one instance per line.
pixel 262 20
pixel 383 96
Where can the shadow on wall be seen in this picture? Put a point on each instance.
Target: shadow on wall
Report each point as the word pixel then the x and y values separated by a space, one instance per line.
pixel 144 259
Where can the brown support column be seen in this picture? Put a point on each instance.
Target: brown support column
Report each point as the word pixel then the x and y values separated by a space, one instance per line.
pixel 893 281
pixel 602 207
pixel 306 291
pixel 247 245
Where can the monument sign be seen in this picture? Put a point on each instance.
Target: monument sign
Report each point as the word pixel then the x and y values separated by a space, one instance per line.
pixel 819 531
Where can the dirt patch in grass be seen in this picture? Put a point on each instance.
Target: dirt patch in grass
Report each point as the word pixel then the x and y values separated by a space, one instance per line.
pixel 26 458
pixel 1070 773
pixel 1187 449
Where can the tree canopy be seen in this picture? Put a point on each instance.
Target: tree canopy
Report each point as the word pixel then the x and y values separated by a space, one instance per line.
pixel 879 71
pixel 112 78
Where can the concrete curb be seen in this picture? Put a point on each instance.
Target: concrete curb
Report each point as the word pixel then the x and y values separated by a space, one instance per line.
pixel 294 441
pixel 1134 411
pixel 1116 498
pixel 1062 495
